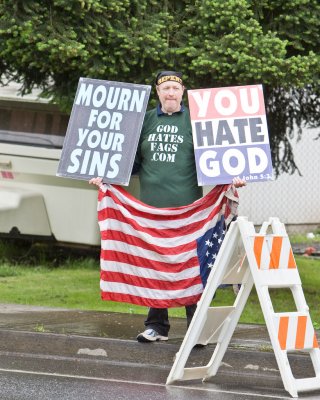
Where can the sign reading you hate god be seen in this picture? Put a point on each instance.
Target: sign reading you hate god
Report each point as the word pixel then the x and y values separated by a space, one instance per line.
pixel 103 130
pixel 230 134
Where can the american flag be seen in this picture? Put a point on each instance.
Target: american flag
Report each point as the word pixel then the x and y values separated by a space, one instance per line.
pixel 160 257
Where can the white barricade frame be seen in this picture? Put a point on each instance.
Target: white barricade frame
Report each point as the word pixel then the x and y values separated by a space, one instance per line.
pixel 265 260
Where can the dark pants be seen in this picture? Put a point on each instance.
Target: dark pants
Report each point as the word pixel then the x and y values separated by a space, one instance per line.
pixel 158 319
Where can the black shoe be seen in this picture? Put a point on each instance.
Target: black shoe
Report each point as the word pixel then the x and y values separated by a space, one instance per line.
pixel 199 346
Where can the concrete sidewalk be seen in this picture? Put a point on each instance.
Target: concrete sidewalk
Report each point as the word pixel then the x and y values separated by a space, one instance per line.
pixel 108 325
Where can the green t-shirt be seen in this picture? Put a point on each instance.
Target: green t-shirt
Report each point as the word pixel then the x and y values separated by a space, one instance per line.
pixel 166 160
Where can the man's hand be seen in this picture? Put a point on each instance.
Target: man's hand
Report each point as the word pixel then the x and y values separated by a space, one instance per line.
pixel 238 182
pixel 96 181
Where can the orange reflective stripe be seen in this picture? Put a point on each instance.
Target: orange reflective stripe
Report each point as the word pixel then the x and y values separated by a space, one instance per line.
pixel 291 261
pixel 283 332
pixel 275 252
pixel 315 341
pixel 301 332
pixel 257 248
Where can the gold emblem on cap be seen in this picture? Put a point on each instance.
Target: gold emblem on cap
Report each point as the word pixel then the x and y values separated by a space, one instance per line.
pixel 169 78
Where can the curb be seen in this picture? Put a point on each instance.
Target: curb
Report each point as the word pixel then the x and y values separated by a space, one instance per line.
pixel 130 360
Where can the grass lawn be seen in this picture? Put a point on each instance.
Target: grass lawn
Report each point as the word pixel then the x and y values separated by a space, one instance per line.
pixel 75 284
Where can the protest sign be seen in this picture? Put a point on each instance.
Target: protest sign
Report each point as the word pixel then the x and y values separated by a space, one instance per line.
pixel 103 130
pixel 230 134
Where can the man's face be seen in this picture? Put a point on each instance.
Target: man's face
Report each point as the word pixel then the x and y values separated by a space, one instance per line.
pixel 170 95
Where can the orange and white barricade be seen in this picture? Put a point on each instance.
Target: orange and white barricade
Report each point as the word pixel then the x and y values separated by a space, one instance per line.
pixel 263 259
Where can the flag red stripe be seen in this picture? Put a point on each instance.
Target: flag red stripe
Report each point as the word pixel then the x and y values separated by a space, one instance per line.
pixel 157 284
pixel 165 215
pixel 169 232
pixel 119 236
pixel 110 255
pixel 144 301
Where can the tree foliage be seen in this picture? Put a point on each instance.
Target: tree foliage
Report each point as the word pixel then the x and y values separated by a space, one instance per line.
pixel 51 43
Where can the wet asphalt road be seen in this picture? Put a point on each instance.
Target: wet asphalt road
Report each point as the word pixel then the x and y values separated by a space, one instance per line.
pixel 85 355
pixel 23 385
pixel 26 385
pixel 48 367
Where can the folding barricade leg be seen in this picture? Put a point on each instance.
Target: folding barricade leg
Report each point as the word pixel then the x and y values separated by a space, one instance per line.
pixel 266 260
pixel 216 324
pixel 273 267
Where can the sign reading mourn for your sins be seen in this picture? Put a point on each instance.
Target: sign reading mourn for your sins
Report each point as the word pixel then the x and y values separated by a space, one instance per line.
pixel 230 134
pixel 103 130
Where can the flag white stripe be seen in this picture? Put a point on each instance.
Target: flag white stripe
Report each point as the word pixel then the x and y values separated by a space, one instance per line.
pixel 162 224
pixel 107 202
pixel 230 193
pixel 149 209
pixel 113 224
pixel 147 293
pixel 119 246
pixel 111 266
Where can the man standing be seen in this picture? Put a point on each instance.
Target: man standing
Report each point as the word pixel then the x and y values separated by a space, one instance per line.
pixel 166 166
